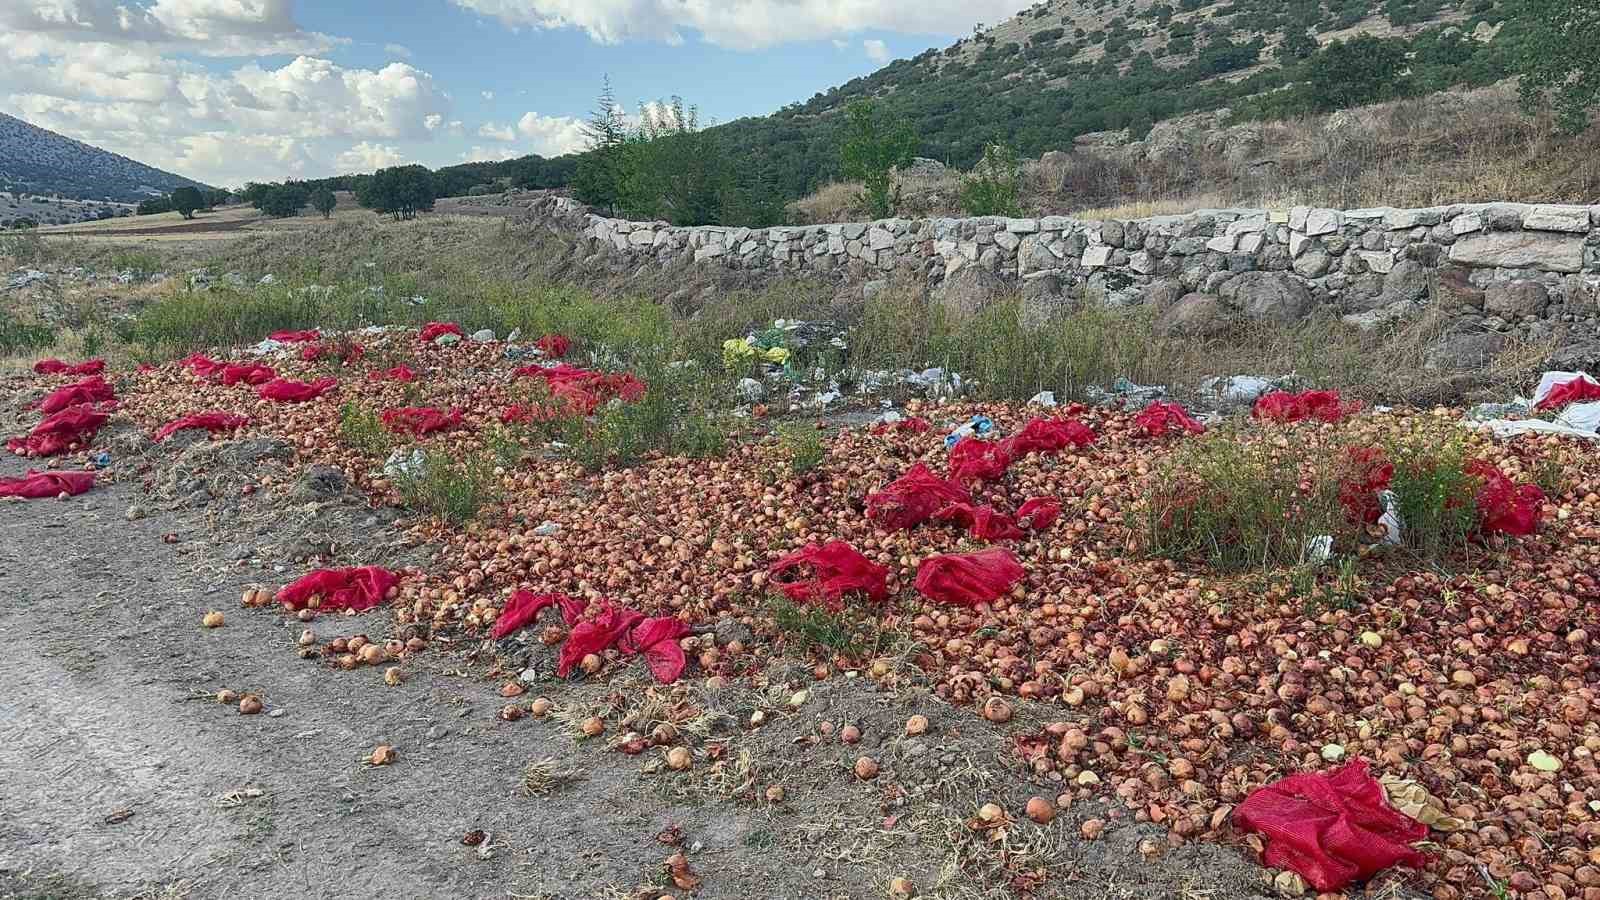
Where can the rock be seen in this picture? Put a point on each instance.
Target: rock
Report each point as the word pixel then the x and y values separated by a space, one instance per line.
pixel 1512 300
pixel 1572 219
pixel 873 288
pixel 1323 221
pixel 1268 296
pixel 969 291
pixel 1520 250
pixel 1465 351
pixel 1313 263
pixel 1195 315
pixel 729 630
pixel 1381 316
pixel 1466 223
pixel 1408 280
pixel 1453 289
pixel 1581 357
pixel 922 167
pixel 1097 255
pixel 1163 294
pixel 484 336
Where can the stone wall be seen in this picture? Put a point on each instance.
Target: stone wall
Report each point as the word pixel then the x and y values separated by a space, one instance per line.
pixel 1499 268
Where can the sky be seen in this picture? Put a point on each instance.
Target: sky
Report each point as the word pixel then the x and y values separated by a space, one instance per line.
pixel 229 91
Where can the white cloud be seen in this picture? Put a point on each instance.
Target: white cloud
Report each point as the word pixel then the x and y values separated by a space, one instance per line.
pixel 840 45
pixel 877 50
pixel 488 95
pixel 745 24
pixel 490 154
pixel 205 27
pixel 397 50
pixel 552 135
pixel 497 132
pixel 368 157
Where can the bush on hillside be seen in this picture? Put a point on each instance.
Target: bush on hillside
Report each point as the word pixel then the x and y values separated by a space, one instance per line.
pixel 400 191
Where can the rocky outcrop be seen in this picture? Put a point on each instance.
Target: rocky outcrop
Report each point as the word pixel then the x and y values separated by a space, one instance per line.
pixel 1501 268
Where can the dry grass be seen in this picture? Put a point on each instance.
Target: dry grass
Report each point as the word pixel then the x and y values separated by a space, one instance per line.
pixel 1454 147
pixel 543 777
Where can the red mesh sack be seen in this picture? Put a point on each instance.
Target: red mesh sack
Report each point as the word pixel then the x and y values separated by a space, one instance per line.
pixel 658 640
pixel 43 485
pixel 295 337
pixel 1284 407
pixel 595 636
pixel 434 330
pixel 93 389
pixel 57 367
pixel 975 460
pixel 969 579
pixel 913 425
pixel 1331 829
pixel 914 498
pixel 357 589
pixel 282 390
pixel 253 374
pixel 75 425
pixel 554 345
pixel 1161 418
pixel 523 608
pixel 401 373
pixel 520 413
pixel 1039 513
pixel 827 572
pixel 984 523
pixel 1048 436
pixel 420 420
pixel 346 354
pixel 1504 507
pixel 1581 389
pixel 210 421
pixel 1368 472
pixel 201 365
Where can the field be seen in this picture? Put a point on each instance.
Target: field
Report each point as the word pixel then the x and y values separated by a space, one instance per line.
pixel 1084 720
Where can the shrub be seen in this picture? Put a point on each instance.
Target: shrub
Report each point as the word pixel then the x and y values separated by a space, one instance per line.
pixel 803 442
pixel 323 201
pixel 992 187
pixel 186 200
pixel 22 337
pixel 873 146
pixel 455 490
pixel 1434 495
pixel 853 631
pixel 361 428
pixel 676 416
pixel 1243 504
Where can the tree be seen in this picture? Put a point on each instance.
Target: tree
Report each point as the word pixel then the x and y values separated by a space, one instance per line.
pixel 598 178
pixel 280 201
pixel 1349 73
pixel 400 191
pixel 873 146
pixel 1559 57
pixel 154 206
pixel 323 201
pixel 992 187
pixel 186 200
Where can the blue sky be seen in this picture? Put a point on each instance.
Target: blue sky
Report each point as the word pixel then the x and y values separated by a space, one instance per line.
pixel 231 90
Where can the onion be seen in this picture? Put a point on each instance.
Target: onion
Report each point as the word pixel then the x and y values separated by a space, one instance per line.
pixel 917 724
pixel 1041 811
pixel 991 814
pixel 227 696
pixel 593 726
pixel 996 710
pixel 512 689
pixel 540 707
pixel 1092 829
pixel 511 712
pixel 775 793
pixel 391 676
pixel 590 664
pixel 249 705
pixel 866 768
pixel 850 734
pixel 382 755
pixel 901 887
pixel 212 619
pixel 679 759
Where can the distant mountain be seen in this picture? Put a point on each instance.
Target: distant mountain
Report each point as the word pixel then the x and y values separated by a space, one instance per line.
pixel 40 162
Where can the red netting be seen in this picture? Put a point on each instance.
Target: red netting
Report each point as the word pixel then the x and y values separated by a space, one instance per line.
pixel 1161 418
pixel 401 373
pixel 974 460
pixel 1504 507
pixel 296 337
pixel 42 485
pixel 969 579
pixel 357 589
pixel 1322 406
pixel 73 426
pixel 210 421
pixel 1048 436
pixel 554 346
pixel 420 420
pixel 253 374
pixel 57 367
pixel 1367 473
pixel 93 389
pixel 1581 389
pixel 283 390
pixel 914 498
pixel 826 572
pixel 434 330
pixel 1039 513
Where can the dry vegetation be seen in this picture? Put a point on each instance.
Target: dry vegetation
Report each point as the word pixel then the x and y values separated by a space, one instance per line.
pixel 1445 148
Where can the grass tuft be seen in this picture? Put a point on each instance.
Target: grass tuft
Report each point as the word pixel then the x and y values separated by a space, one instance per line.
pixel 455 490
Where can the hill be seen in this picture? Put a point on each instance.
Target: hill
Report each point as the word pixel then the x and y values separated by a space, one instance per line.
pixel 36 161
pixel 1066 68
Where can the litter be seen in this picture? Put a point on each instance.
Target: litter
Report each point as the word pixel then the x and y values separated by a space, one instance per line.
pixel 1393 524
pixel 979 426
pixel 1124 394
pixel 1504 507
pixel 897 425
pixel 57 367
pixel 983 521
pixel 977 460
pixel 554 346
pixel 402 464
pixel 42 485
pixel 1044 398
pixel 596 636
pixel 420 420
pixel 283 390
pixel 1048 436
pixel 295 337
pixel 1369 473
pixel 827 572
pixel 433 331
pixel 1162 418
pixel 523 609
pixel 1558 389
pixel 253 374
pixel 358 589
pixel 1317 550
pixel 1331 829
pixel 201 365
pixel 1039 513
pixel 1234 390
pixel 73 426
pixel 1284 407
pixel 914 498
pixel 657 639
pixel 212 422
pixel 93 389
pixel 969 579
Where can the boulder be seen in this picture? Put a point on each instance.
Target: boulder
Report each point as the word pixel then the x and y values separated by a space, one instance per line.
pixel 1268 296
pixel 969 291
pixel 1313 263
pixel 1195 315
pixel 1474 350
pixel 1546 250
pixel 1580 357
pixel 1408 280
pixel 1453 289
pixel 1163 294
pixel 1512 300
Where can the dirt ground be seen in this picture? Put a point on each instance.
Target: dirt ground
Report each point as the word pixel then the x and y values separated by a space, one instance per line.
pixel 121 776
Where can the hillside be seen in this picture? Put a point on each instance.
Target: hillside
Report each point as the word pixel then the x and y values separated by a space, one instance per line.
pixel 1066 68
pixel 40 162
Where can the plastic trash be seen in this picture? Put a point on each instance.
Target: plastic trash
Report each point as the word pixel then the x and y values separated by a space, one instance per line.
pixel 1234 390
pixel 357 589
pixel 914 498
pixel 1044 398
pixel 977 460
pixel 827 572
pixel 1393 524
pixel 433 331
pixel 554 346
pixel 1504 507
pixel 43 485
pixel 1317 550
pixel 101 460
pixel 212 422
pixel 1557 389
pixel 1332 829
pixel 402 464
pixel 979 426
pixel 969 579
pixel 284 390
pixel 1125 394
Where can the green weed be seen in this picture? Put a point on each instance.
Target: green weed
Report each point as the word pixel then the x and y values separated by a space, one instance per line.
pixel 803 443
pixel 455 490
pixel 361 428
pixel 853 630
pixel 1434 496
